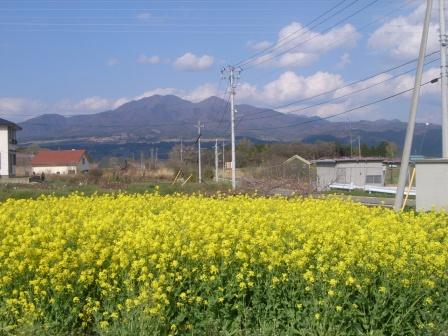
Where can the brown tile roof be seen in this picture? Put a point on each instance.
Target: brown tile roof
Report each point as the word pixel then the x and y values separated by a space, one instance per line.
pixel 58 158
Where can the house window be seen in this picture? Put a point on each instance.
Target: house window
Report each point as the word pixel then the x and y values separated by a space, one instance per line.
pixel 374 179
pixel 83 161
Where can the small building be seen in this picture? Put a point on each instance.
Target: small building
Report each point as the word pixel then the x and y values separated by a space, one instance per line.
pixel 432 184
pixel 8 146
pixel 61 162
pixel 358 172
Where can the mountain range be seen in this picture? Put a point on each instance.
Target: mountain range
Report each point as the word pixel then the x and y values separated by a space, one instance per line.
pixel 167 118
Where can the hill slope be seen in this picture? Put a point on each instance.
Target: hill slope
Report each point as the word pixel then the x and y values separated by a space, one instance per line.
pixel 161 118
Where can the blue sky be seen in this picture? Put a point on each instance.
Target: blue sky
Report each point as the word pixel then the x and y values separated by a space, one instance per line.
pixel 77 56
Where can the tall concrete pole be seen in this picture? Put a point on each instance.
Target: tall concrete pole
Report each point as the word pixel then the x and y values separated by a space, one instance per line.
pixel 142 162
pixel 152 156
pixel 232 124
pixel 199 126
pixel 232 76
pixel 359 146
pixel 413 112
pixel 181 150
pixel 216 161
pixel 444 78
pixel 223 159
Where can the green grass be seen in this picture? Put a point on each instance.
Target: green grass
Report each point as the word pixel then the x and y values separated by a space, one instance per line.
pixel 62 188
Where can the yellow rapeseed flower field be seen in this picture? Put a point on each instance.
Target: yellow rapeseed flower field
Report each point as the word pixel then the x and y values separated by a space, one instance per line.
pixel 165 265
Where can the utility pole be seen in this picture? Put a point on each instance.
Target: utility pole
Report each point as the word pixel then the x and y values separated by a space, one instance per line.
pixel 157 155
pixel 232 76
pixel 359 146
pixel 199 127
pixel 181 151
pixel 152 157
pixel 223 159
pixel 216 161
pixel 142 162
pixel 351 137
pixel 443 78
pixel 413 112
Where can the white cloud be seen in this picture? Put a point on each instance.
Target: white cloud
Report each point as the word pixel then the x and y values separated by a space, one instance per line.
pixel 385 85
pixel 298 46
pixel 192 62
pixel 195 95
pixel 144 16
pixel 288 87
pixel 119 102
pixel 92 104
pixel 295 59
pixel 343 61
pixel 202 92
pixel 158 91
pixel 148 59
pixel 112 61
pixel 400 37
pixel 84 106
pixel 291 86
pixel 16 107
pixel 257 46
pixel 332 109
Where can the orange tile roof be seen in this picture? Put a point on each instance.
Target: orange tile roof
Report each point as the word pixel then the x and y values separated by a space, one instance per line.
pixel 58 158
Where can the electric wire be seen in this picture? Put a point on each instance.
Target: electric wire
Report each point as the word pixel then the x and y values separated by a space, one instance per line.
pixel 300 101
pixel 242 62
pixel 316 34
pixel 434 80
pixel 361 28
pixel 353 93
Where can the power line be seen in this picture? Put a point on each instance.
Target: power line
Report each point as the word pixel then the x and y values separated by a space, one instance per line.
pixel 96 24
pixel 140 9
pixel 360 28
pixel 264 60
pixel 232 74
pixel 204 31
pixel 353 83
pixel 166 1
pixel 223 114
pixel 242 62
pixel 344 112
pixel 358 81
pixel 353 93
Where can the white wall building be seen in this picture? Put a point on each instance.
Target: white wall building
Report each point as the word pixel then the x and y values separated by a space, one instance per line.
pixel 357 171
pixel 432 184
pixel 8 146
pixel 61 162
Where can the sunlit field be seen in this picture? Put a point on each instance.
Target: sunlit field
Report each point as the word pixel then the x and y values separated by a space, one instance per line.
pixel 224 265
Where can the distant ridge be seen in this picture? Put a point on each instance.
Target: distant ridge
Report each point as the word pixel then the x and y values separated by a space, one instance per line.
pixel 159 118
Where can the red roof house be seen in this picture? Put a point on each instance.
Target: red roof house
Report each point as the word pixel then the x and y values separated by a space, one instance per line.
pixel 60 162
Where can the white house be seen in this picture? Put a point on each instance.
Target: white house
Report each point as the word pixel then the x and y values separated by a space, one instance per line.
pixel 8 145
pixel 60 162
pixel 357 171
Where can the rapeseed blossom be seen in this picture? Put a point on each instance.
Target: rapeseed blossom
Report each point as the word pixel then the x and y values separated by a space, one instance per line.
pixel 193 264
